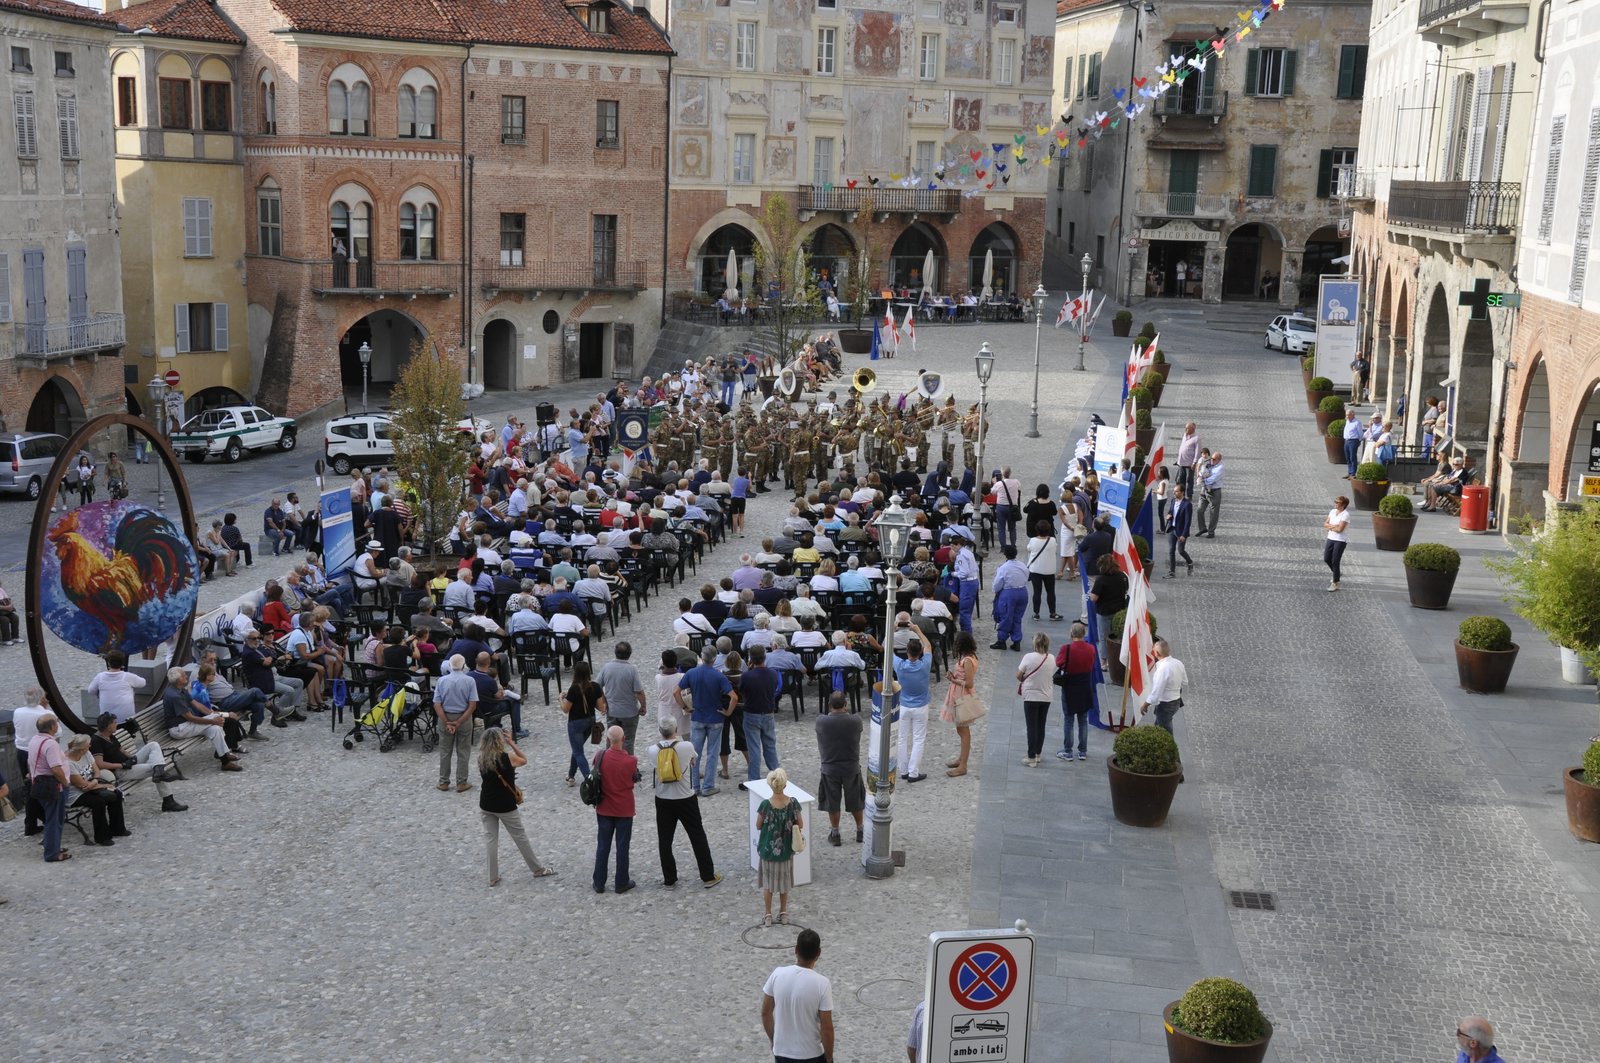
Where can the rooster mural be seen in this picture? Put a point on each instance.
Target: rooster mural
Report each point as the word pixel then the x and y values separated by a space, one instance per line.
pixel 119 577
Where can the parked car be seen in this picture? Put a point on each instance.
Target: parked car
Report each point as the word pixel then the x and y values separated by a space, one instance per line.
pixel 25 460
pixel 357 440
pixel 1291 333
pixel 229 431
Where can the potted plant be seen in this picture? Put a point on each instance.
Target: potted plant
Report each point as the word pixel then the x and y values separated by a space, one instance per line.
pixel 1431 574
pixel 1154 383
pixel 1143 430
pixel 1308 366
pixel 1329 410
pixel 1113 636
pixel 1554 584
pixel 1333 439
pixel 1370 486
pixel 1583 796
pixel 1317 389
pixel 1122 323
pixel 1144 771
pixel 1159 366
pixel 1484 654
pixel 1217 1020
pixel 1394 522
pixel 1148 330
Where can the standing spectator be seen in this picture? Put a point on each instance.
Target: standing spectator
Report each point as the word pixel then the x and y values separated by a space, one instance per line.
pixel 666 690
pixel 758 693
pixel 619 770
pixel 707 688
pixel 914 673
pixel 24 726
pixel 1162 493
pixel 1072 522
pixel 1336 523
pixel 797 1006
pixel 1475 1041
pixel 963 679
pixel 1109 596
pixel 1178 532
pixel 1007 503
pixel 624 693
pixel 235 540
pixel 275 526
pixel 582 700
pixel 47 782
pixel 1188 455
pixel 1354 436
pixel 498 761
pixel 778 818
pixel 455 700
pixel 1042 558
pixel 839 749
pixel 1033 679
pixel 1077 660
pixel 1010 599
pixel 114 687
pixel 1361 370
pixel 914 1035
pixel 964 568
pixel 85 474
pixel 1211 497
pixel 147 762
pixel 677 802
pixel 1167 681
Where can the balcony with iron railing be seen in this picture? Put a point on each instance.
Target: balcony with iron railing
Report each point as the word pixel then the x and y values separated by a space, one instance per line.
pixel 883 200
pixel 364 277
pixel 1486 207
pixel 1461 21
pixel 1182 205
pixel 1179 104
pixel 63 339
pixel 568 276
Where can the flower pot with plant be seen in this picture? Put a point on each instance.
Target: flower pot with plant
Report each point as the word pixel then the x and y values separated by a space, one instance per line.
pixel 1333 439
pixel 1121 323
pixel 1329 410
pixel 1148 329
pixel 1159 366
pixel 1394 522
pixel 1112 635
pixel 1308 369
pixel 1217 1020
pixel 1431 574
pixel 1554 584
pixel 1583 796
pixel 1317 389
pixel 1144 771
pixel 1370 486
pixel 1484 654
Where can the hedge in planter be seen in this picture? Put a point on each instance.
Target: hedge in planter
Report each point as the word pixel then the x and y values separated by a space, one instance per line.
pixel 1121 323
pixel 1394 522
pixel 1370 485
pixel 1431 574
pixel 1554 582
pixel 1583 796
pixel 1333 439
pixel 1328 410
pixel 1144 772
pixel 1317 389
pixel 1484 654
pixel 1224 1016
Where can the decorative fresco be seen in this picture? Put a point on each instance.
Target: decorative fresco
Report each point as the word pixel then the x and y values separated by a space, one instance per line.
pixel 692 154
pixel 963 54
pixel 780 158
pixel 719 45
pixel 1036 113
pixel 790 53
pixel 788 14
pixel 876 129
pixel 956 12
pixel 966 114
pixel 686 38
pixel 693 104
pixel 875 44
pixel 1036 59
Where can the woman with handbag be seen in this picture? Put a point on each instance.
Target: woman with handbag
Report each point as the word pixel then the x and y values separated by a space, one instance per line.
pixel 498 799
pixel 103 800
pixel 962 706
pixel 582 700
pixel 781 827
pixel 1042 562
pixel 1075 676
pixel 1033 683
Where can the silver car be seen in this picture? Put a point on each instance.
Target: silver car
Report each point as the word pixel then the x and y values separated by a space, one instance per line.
pixel 25 460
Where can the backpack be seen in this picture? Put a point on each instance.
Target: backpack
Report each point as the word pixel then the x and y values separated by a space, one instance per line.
pixel 590 791
pixel 668 767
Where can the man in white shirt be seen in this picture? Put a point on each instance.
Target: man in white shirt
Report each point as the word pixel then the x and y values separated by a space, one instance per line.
pixel 1167 681
pixel 114 687
pixel 243 622
pixel 579 536
pixel 459 595
pixel 491 556
pixel 805 605
pixel 517 503
pixel 841 656
pixel 797 1006
pixel 525 615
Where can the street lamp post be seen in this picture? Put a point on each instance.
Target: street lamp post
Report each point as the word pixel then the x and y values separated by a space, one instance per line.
pixel 984 360
pixel 894 528
pixel 158 411
pixel 1039 296
pixel 364 352
pixel 1086 264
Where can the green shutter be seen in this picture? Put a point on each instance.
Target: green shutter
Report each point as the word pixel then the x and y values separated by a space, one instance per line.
pixel 1325 174
pixel 1263 170
pixel 1208 88
pixel 1347 71
pixel 1251 64
pixel 1358 87
pixel 1288 72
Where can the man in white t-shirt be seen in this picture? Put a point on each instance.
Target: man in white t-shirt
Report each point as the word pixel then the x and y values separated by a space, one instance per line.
pixel 797 1007
pixel 114 687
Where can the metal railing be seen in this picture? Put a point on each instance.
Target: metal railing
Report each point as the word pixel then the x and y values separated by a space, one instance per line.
pixel 62 339
pixel 563 276
pixel 1182 205
pixel 1174 103
pixel 1432 12
pixel 364 276
pixel 894 200
pixel 1456 206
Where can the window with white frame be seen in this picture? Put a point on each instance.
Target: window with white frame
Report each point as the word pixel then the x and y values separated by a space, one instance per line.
pixel 201 327
pixel 67 125
pixel 744 158
pixel 418 106
pixel 196 228
pixel 269 219
pixel 419 226
pixel 26 123
pixel 744 48
pixel 513 236
pixel 1005 61
pixel 928 57
pixel 822 161
pixel 349 102
pixel 924 159
pixel 827 39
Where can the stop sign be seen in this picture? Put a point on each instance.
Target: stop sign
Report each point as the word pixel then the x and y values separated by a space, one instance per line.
pixel 172 378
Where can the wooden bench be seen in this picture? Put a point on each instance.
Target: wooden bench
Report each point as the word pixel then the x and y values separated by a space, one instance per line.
pixel 151 721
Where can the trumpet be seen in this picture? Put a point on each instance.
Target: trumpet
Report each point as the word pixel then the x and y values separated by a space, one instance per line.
pixel 864 380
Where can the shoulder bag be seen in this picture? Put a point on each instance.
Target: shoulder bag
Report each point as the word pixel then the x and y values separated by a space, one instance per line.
pixel 797 836
pixel 44 789
pixel 591 791
pixel 516 791
pixel 1042 662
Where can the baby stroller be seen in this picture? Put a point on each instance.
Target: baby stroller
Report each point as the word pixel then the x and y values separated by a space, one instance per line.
pixel 395 710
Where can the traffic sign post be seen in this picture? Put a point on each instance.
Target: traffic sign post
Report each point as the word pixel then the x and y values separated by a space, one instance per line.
pixel 173 378
pixel 979 996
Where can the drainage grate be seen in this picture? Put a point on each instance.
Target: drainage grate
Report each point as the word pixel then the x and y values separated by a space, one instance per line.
pixel 1253 900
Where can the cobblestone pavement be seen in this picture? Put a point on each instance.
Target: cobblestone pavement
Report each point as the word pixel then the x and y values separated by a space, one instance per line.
pixel 330 904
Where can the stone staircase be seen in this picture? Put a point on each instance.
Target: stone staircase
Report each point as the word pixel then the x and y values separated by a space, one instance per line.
pixel 679 341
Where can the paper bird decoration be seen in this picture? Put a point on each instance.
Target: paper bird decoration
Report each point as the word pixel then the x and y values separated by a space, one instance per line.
pixel 1198 62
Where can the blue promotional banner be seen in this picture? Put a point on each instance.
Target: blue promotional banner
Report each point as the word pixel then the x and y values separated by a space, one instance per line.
pixel 338 531
pixel 1113 498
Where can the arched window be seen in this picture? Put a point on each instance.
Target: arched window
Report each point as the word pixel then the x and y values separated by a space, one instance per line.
pixel 350 236
pixel 419 225
pixel 269 219
pixel 349 102
pixel 268 93
pixel 419 106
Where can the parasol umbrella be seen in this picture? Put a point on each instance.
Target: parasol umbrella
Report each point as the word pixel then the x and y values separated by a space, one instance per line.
pixel 928 286
pixel 730 275
pixel 988 274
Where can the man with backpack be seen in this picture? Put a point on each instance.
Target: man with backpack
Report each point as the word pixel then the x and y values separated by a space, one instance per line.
pixel 677 802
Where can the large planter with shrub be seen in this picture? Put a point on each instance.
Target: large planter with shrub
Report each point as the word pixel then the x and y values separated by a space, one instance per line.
pixel 1554 584
pixel 1394 523
pixel 1329 410
pixel 1370 486
pixel 1144 772
pixel 855 340
pixel 1308 368
pixel 1121 323
pixel 1583 796
pixel 1333 439
pixel 1431 574
pixel 1217 1020
pixel 1160 367
pixel 1317 389
pixel 1112 636
pixel 1484 654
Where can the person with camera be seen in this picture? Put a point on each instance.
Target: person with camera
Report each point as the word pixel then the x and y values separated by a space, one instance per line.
pixel 912 671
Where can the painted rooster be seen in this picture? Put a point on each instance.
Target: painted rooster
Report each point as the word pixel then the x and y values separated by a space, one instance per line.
pixel 148 563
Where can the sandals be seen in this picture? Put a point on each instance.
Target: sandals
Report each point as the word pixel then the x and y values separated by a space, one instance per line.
pixel 544 873
pixel 62 855
pixel 783 917
pixel 766 920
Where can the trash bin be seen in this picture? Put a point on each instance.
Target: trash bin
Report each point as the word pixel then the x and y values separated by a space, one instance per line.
pixel 1474 509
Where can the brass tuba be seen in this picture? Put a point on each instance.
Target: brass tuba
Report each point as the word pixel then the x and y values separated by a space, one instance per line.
pixel 864 380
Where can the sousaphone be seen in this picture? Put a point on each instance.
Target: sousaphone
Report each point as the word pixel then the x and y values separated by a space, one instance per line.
pixel 864 380
pixel 788 384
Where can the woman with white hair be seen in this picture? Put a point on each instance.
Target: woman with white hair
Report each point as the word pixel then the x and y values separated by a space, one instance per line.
pixel 779 821
pixel 103 800
pixel 498 798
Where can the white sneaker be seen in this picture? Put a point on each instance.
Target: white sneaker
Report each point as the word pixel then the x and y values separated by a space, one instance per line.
pixel 1333 586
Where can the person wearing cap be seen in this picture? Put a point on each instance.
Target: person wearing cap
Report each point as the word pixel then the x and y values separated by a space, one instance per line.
pixel 1010 599
pixel 366 571
pixel 146 762
pixel 964 569
pixel 1449 485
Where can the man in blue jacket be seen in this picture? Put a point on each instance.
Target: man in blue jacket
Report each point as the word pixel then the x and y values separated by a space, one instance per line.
pixel 1178 532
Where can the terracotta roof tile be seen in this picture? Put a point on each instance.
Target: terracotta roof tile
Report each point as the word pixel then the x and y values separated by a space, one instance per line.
pixel 195 20
pixel 534 23
pixel 1066 7
pixel 58 9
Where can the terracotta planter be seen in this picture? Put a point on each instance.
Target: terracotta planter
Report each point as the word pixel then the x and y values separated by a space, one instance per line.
pixel 855 340
pixel 1484 671
pixel 1583 807
pixel 1392 533
pixel 1185 1047
pixel 1141 800
pixel 1314 399
pixel 1367 495
pixel 1144 437
pixel 1325 418
pixel 1429 590
pixel 1121 328
pixel 1335 448
pixel 1160 369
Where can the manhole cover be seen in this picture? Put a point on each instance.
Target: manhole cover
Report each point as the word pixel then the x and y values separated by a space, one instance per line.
pixel 890 994
pixel 777 936
pixel 1253 900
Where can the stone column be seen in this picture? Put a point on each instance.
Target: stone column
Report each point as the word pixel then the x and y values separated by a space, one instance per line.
pixel 1289 283
pixel 1211 281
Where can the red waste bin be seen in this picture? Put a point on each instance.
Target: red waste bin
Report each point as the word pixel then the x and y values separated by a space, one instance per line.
pixel 1475 509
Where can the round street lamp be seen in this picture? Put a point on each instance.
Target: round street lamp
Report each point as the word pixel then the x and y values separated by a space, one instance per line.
pixel 364 352
pixel 894 530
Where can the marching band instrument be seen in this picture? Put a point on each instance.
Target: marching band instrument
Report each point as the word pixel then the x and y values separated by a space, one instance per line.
pixel 864 380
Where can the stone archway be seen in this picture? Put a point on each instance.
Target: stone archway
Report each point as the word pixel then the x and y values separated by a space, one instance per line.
pixel 711 259
pixel 1431 368
pixel 56 407
pixel 499 355
pixel 1474 375
pixel 1579 458
pixel 1528 468
pixel 1253 250
pixel 392 336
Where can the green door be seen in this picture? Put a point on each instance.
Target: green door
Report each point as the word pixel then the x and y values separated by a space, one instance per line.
pixel 1183 180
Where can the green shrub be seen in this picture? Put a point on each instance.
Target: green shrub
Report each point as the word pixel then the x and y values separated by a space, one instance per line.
pixel 1432 557
pixel 1123 317
pixel 1141 416
pixel 1336 428
pixel 1372 472
pixel 1484 633
pixel 1146 751
pixel 1331 404
pixel 1141 545
pixel 1218 1009
pixel 1147 329
pixel 1308 363
pixel 1140 394
pixel 1320 383
pixel 1396 506
pixel 1159 357
pixel 1591 764
pixel 1136 502
pixel 1553 580
pixel 1120 617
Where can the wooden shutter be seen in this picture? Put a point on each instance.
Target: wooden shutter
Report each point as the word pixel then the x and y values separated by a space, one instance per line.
pixel 1585 225
pixel 1263 170
pixel 196 228
pixel 77 284
pixel 1252 70
pixel 1552 177
pixel 181 319
pixel 67 125
pixel 1502 120
pixel 219 326
pixel 1289 57
pixel 27 129
pixel 408 111
pixel 1325 173
pixel 1480 124
pixel 5 286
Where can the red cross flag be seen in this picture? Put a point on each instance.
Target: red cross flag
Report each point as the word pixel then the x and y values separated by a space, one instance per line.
pixel 889 325
pixel 1152 462
pixel 911 325
pixel 1138 645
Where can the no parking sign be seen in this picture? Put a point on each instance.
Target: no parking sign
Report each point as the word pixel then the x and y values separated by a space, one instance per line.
pixel 980 996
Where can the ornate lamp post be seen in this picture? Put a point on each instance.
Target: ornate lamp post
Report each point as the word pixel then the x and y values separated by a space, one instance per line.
pixel 364 352
pixel 894 528
pixel 1038 297
pixel 984 360
pixel 1086 264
